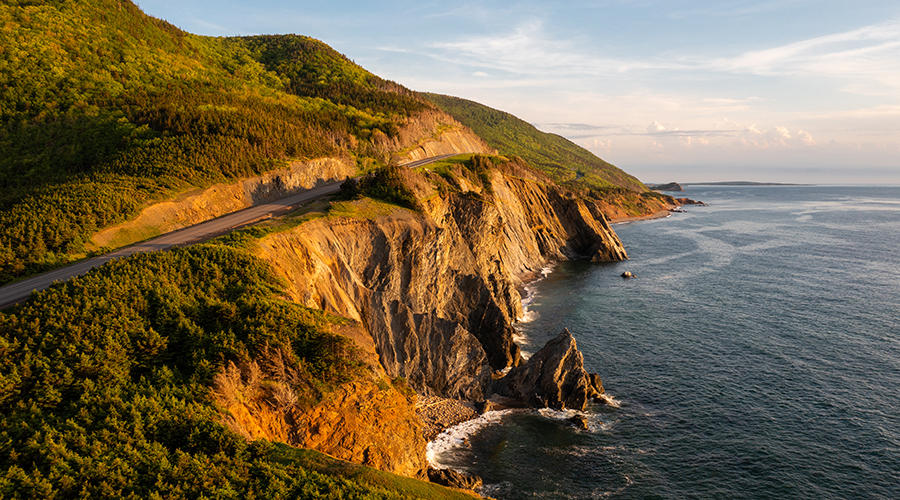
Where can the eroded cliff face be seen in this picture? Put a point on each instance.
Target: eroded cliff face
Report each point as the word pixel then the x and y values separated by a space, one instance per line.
pixel 433 296
pixel 369 420
pixel 437 290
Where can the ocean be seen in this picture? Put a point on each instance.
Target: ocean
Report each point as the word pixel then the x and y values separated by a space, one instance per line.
pixel 755 355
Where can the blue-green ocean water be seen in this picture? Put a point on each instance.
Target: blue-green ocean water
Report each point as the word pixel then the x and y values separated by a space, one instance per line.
pixel 756 355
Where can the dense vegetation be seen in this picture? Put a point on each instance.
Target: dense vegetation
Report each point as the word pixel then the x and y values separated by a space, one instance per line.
pixel 385 184
pixel 91 132
pixel 105 384
pixel 562 160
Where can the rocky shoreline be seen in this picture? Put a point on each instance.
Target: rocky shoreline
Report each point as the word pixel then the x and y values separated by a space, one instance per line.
pixel 439 414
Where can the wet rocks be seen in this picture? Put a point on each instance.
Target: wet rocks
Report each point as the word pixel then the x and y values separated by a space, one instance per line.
pixel 579 421
pixel 454 479
pixel 688 201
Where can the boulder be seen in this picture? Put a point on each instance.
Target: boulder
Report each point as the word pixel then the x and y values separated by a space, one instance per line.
pixel 553 378
pixel 579 421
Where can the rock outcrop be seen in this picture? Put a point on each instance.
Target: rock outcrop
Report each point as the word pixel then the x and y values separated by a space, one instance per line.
pixel 367 423
pixel 438 291
pixel 553 377
pixel 454 479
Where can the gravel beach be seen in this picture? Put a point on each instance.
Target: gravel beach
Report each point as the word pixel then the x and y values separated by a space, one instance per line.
pixel 438 414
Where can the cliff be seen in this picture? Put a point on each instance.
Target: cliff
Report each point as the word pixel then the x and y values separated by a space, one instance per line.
pixel 437 290
pixel 433 296
pixel 368 419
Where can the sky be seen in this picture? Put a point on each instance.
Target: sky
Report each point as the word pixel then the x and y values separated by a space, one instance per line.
pixel 688 91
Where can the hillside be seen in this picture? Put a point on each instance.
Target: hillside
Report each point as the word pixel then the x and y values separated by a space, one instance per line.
pixel 92 132
pixel 105 385
pixel 564 161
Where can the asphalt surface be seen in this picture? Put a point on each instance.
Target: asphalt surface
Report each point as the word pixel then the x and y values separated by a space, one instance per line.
pixel 17 292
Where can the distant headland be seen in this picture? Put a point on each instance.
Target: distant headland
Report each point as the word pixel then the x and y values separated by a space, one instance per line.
pixel 742 183
pixel 677 187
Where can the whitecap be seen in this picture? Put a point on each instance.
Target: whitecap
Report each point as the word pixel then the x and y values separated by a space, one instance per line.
pixel 594 421
pixel 609 400
pixel 520 338
pixel 528 315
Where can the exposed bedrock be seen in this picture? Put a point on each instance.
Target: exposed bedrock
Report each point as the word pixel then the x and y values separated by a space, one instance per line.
pixel 437 290
pixel 554 377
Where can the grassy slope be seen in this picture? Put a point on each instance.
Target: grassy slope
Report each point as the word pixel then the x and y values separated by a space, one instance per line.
pixel 565 162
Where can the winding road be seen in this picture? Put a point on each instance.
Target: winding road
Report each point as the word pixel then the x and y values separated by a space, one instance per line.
pixel 17 292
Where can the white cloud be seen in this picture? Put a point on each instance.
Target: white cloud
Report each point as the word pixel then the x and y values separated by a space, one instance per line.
pixel 866 60
pixel 529 50
pixel 656 127
pixel 806 138
pixel 783 132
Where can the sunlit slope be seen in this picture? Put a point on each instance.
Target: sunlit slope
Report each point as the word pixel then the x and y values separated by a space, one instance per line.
pixel 564 161
pixel 104 109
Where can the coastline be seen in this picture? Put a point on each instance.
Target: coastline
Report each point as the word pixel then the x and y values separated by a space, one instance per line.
pixel 658 215
pixel 439 414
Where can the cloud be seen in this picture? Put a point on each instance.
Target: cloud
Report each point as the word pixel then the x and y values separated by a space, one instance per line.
pixel 529 50
pixel 866 59
pixel 783 132
pixel 727 135
pixel 576 126
pixel 806 138
pixel 656 127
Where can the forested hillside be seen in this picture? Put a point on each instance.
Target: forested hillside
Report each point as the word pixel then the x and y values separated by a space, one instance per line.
pixel 103 109
pixel 105 385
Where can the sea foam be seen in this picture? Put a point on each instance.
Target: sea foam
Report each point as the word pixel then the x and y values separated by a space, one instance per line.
pixel 528 314
pixel 458 435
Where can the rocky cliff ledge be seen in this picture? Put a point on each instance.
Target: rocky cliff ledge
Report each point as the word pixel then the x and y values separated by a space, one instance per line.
pixel 437 289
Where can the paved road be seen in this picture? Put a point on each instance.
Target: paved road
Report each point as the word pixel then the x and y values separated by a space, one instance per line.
pixel 17 292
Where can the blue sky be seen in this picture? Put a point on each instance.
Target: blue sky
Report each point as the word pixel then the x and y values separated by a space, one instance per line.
pixel 782 91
